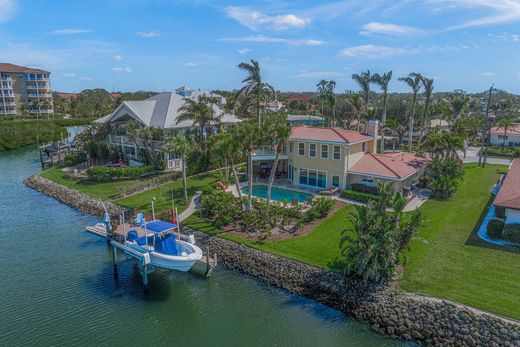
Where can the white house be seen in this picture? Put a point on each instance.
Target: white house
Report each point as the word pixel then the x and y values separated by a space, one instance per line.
pixel 508 198
pixel 511 136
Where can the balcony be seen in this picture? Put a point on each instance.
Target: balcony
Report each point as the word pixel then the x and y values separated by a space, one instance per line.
pixel 8 78
pixel 44 86
pixel 7 111
pixel 7 103
pixel 267 153
pixel 40 95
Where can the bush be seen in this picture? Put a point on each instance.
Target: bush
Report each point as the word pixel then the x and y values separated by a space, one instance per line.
pixel 362 188
pixel 495 227
pixel 511 232
pixel 357 196
pixel 75 158
pixel 319 208
pixel 222 206
pixel 104 173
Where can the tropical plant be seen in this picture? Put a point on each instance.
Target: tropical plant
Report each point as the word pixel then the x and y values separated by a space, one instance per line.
pixel 373 246
pixel 331 99
pixel 363 80
pixel 182 146
pixel 356 101
pixel 321 93
pixel 255 86
pixel 459 103
pixel 428 91
pixel 391 125
pixel 413 80
pixel 383 81
pixel 506 124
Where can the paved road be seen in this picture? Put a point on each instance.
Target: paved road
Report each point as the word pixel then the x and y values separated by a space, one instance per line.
pixel 472 157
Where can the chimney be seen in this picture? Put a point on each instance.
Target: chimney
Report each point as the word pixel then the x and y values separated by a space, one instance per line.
pixel 372 129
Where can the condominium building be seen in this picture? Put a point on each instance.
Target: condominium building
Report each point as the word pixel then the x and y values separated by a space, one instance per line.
pixel 24 90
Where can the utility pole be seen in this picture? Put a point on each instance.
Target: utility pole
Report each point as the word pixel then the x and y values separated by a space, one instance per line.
pixel 483 158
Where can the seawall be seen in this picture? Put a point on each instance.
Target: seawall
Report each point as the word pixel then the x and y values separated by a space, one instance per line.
pixel 426 320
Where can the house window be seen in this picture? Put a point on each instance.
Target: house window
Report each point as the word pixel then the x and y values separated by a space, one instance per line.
pixel 363 147
pixel 289 172
pixel 335 181
pixel 337 153
pixel 303 176
pixel 290 147
pixel 322 179
pixel 312 150
pixel 324 151
pixel 313 178
pixel 502 137
pixel 301 149
pixel 367 180
pixel 129 150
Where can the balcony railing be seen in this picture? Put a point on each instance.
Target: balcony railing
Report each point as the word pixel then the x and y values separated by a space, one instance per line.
pixel 266 150
pixel 40 95
pixel 7 111
pixel 7 103
pixel 45 86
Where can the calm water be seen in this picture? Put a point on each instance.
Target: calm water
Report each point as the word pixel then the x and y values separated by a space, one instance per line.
pixel 278 194
pixel 57 288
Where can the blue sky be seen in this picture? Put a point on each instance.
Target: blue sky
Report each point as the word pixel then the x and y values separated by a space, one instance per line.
pixel 162 44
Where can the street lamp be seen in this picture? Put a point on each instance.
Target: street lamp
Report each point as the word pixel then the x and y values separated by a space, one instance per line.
pixel 153 208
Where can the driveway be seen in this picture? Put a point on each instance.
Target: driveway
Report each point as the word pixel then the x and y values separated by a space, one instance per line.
pixel 472 157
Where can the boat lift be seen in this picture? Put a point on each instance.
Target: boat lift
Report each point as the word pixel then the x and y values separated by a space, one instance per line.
pixel 115 240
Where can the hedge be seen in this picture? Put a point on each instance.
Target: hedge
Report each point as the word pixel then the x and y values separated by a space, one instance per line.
pixel 358 196
pixel 104 173
pixel 362 188
pixel 494 228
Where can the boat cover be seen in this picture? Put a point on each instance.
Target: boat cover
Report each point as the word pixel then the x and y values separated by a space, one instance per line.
pixel 158 226
pixel 166 245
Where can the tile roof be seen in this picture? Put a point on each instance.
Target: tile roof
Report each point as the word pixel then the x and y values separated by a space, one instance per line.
pixel 509 194
pixel 10 68
pixel 300 97
pixel 513 130
pixel 394 165
pixel 327 134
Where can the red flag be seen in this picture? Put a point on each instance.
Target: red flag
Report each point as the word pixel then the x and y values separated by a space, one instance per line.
pixel 173 216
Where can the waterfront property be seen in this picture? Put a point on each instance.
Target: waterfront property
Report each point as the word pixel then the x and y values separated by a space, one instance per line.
pixel 511 137
pixel 319 158
pixel 279 194
pixel 24 90
pixel 159 111
pixel 507 202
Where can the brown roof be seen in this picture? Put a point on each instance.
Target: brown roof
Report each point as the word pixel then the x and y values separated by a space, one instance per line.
pixel 300 97
pixel 512 130
pixel 509 194
pixel 11 68
pixel 327 134
pixel 67 96
pixel 394 165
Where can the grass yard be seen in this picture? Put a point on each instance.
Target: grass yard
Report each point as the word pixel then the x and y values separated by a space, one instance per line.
pixel 102 191
pixel 163 194
pixel 449 261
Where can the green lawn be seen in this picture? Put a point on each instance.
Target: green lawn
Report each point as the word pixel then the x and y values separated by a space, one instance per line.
pixel 163 194
pixel 98 190
pixel 447 260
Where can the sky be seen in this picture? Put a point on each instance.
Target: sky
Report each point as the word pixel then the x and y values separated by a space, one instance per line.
pixel 128 45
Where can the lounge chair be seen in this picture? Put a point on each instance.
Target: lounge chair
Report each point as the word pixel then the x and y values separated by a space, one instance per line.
pixel 139 220
pixel 330 191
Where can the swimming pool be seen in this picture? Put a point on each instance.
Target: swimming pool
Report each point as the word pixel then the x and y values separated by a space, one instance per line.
pixel 280 194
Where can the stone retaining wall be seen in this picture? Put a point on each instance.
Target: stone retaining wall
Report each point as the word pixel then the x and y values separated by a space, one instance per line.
pixel 425 320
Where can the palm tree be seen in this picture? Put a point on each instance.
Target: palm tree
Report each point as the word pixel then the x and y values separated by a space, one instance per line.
pixel 331 98
pixel 356 101
pixel 279 131
pixel 35 105
pixel 413 80
pixel 24 111
pixel 391 125
pixel 383 81
pixel 363 80
pixel 230 147
pixel 201 113
pixel 505 123
pixel 428 91
pixel 254 84
pixel 321 90
pixel 458 102
pixel 182 146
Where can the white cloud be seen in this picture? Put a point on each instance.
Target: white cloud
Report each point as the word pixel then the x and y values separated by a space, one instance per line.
pixel 270 39
pixel 244 50
pixel 117 58
pixel 256 20
pixel 503 11
pixel 389 29
pixel 372 51
pixel 148 34
pixel 488 74
pixel 71 74
pixel 190 64
pixel 122 69
pixel 7 10
pixel 70 31
pixel 317 74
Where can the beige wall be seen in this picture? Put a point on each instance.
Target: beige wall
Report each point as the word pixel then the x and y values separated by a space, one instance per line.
pixel 396 185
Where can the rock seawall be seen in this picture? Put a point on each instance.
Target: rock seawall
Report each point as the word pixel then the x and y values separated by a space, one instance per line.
pixel 80 201
pixel 428 321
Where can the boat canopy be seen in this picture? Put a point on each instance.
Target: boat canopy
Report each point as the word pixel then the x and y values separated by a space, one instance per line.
pixel 159 226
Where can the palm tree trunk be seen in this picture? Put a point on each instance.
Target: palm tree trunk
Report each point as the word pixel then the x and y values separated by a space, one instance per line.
pixel 250 180
pixel 410 132
pixel 271 176
pixel 184 183
pixel 237 184
pixel 383 121
pixel 423 128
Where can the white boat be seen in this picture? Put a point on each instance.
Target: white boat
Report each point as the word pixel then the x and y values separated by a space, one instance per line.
pixel 164 245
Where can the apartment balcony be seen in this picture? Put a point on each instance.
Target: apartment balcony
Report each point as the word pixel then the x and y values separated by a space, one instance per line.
pixel 9 79
pixel 39 95
pixel 7 103
pixel 267 153
pixel 7 112
pixel 44 86
pixel 38 79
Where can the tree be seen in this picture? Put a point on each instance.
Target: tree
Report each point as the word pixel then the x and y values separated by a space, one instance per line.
pixel 428 91
pixel 383 81
pixel 505 123
pixel 279 130
pixel 459 103
pixel 363 80
pixel 331 99
pixel 373 245
pixel 391 125
pixel 254 85
pixel 322 92
pixel 182 146
pixel 356 101
pixel 413 80
pixel 23 110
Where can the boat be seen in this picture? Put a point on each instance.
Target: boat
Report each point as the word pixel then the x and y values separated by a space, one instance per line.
pixel 165 246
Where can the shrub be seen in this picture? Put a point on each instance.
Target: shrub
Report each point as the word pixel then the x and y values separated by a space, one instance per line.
pixel 104 173
pixel 511 232
pixel 75 158
pixel 357 196
pixel 222 206
pixel 495 227
pixel 319 208
pixel 362 188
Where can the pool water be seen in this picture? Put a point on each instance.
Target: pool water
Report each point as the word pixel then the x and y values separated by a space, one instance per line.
pixel 279 194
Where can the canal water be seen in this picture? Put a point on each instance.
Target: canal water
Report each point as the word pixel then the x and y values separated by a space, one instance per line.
pixel 57 288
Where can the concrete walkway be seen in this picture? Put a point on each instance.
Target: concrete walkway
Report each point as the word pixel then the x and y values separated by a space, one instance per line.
pixel 420 197
pixel 194 205
pixel 472 157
